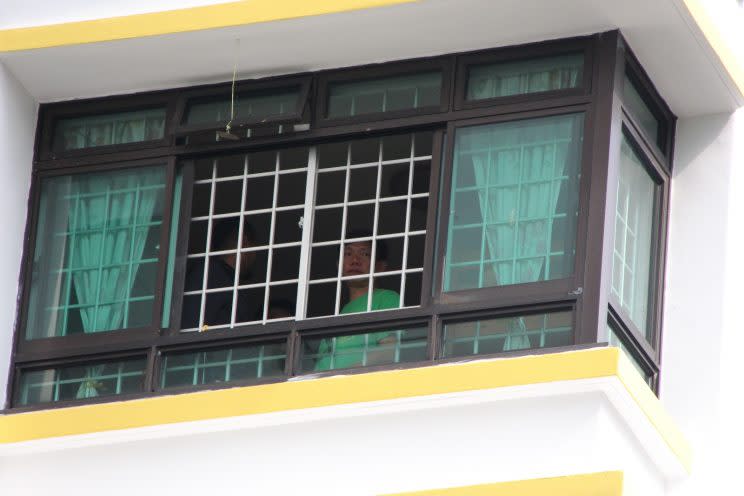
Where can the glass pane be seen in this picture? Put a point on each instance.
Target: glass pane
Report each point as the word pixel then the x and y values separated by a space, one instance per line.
pixel 97 241
pixel 172 245
pixel 514 203
pixel 525 76
pixel 81 381
pixel 381 347
pixel 109 129
pixel 634 215
pixel 237 363
pixel 614 340
pixel 642 113
pixel 253 106
pixel 477 337
pixel 384 95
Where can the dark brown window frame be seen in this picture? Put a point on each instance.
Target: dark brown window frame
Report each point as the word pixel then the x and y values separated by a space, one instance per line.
pixel 604 53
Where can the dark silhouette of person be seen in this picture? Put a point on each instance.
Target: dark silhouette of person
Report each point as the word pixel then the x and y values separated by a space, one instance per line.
pixel 221 274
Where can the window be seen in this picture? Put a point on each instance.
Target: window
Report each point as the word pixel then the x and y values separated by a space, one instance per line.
pixel 423 211
pixel 384 95
pixel 514 202
pixel 109 129
pixel 639 199
pixel 526 76
pixel 97 253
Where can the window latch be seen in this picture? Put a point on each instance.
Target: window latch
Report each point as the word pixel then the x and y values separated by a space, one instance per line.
pixel 301 222
pixel 577 292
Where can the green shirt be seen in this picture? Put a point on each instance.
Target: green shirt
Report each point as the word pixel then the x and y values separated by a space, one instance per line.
pixel 348 351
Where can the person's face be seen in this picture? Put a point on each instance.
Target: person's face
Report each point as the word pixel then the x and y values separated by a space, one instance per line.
pixel 357 259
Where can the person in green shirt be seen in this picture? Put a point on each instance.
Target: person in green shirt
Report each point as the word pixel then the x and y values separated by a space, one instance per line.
pixel 348 351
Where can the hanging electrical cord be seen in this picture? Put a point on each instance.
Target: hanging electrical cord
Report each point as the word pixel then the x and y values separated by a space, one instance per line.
pixel 227 133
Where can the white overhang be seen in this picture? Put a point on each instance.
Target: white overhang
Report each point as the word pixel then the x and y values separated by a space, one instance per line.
pixel 684 63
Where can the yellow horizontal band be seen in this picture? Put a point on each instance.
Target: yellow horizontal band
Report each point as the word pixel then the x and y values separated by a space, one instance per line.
pixel 347 389
pixel 730 60
pixel 176 21
pixel 598 484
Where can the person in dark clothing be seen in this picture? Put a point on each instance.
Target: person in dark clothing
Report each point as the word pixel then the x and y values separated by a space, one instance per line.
pixel 221 274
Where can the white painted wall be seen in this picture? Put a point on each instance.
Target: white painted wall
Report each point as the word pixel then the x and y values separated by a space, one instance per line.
pixel 701 365
pixel 17 127
pixel 22 13
pixel 363 453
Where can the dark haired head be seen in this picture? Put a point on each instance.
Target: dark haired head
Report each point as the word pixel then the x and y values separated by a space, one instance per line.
pixel 225 234
pixel 381 252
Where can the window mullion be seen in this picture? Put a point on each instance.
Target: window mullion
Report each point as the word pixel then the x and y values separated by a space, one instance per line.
pixel 307 231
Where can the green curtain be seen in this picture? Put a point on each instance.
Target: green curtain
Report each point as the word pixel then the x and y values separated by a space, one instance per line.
pixel 518 168
pixel 520 174
pixel 109 244
pixel 522 77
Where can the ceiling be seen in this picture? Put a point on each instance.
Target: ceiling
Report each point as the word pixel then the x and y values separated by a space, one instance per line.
pixel 663 35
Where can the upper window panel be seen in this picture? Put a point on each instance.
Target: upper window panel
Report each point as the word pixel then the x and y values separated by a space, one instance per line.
pixel 254 106
pixel 109 129
pixel 524 76
pixel 97 252
pixel 641 111
pixel 390 94
pixel 514 202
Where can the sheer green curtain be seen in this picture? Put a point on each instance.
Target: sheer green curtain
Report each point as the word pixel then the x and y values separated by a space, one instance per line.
pixel 513 206
pixel 525 76
pixel 109 129
pixel 108 214
pixel 112 225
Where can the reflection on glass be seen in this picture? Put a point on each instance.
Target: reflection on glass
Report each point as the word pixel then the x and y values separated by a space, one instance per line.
pixel 514 203
pixel 109 129
pixel 255 361
pixel 641 111
pixel 478 337
pixel 384 95
pixel 97 250
pixel 631 261
pixel 80 382
pixel 363 350
pixel 249 107
pixel 525 76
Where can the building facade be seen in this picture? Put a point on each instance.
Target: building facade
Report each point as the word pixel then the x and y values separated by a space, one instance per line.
pixel 371 247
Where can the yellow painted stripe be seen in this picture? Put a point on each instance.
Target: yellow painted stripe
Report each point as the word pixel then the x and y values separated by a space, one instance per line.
pixel 349 389
pixel 654 410
pixel 176 21
pixel 726 54
pixel 338 390
pixel 597 484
